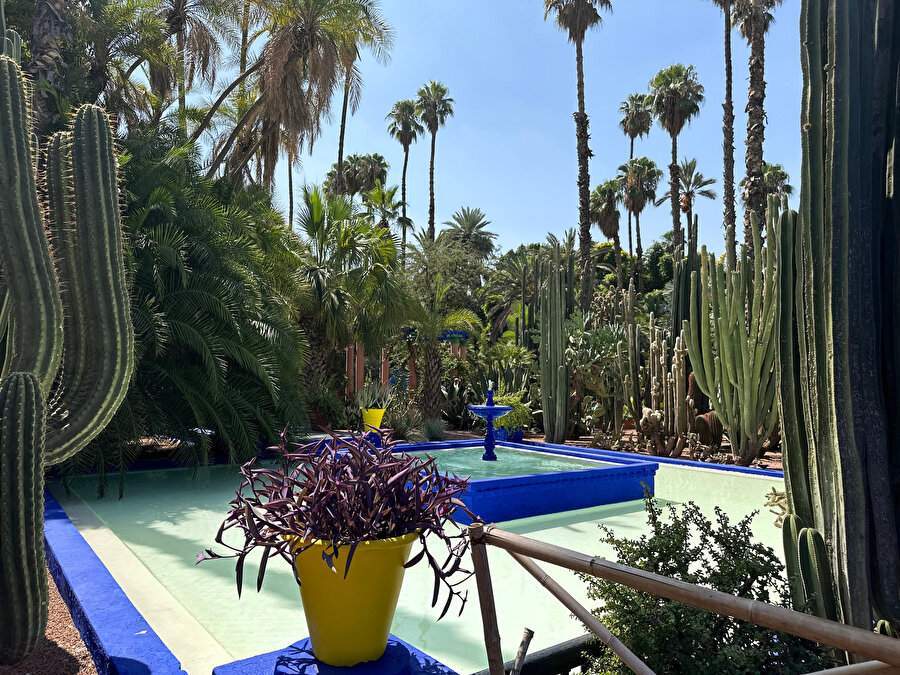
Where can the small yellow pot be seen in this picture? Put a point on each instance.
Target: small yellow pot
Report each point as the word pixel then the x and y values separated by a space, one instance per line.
pixel 350 619
pixel 372 418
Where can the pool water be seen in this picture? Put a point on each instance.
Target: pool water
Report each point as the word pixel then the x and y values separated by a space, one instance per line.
pixel 467 462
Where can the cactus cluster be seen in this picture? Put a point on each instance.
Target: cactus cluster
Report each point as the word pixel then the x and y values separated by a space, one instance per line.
pixel 67 325
pixel 527 321
pixel 12 41
pixel 634 377
pixel 554 371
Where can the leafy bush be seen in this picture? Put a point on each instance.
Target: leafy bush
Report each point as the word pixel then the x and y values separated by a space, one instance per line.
pixel 671 637
pixel 459 397
pixel 517 418
pixel 323 401
pixel 404 420
pixel 434 429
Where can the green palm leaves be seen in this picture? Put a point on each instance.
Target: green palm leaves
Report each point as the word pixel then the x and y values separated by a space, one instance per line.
pixel 576 17
pixel 434 107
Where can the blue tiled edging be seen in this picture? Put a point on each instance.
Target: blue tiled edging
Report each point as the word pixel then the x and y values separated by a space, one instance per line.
pixel 400 658
pixel 499 499
pixel 118 637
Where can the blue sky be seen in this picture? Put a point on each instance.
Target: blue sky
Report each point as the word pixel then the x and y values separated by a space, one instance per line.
pixel 510 148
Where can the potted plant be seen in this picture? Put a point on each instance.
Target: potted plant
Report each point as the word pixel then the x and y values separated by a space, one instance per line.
pixel 510 427
pixel 373 400
pixel 346 514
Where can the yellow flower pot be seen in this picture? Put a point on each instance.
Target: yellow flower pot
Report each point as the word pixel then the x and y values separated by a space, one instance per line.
pixel 372 418
pixel 349 619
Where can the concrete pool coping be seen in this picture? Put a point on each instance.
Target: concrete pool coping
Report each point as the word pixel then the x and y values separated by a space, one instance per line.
pixel 122 640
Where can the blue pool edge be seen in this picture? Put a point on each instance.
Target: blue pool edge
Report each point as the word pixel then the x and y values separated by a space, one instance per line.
pixel 117 635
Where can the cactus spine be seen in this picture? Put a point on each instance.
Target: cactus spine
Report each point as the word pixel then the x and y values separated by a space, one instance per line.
pixel 94 337
pixel 554 373
pixel 731 341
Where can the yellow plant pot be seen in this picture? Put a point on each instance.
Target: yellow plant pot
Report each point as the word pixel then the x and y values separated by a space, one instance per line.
pixel 372 418
pixel 349 619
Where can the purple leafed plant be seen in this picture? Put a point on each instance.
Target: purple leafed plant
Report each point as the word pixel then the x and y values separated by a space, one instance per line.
pixel 345 492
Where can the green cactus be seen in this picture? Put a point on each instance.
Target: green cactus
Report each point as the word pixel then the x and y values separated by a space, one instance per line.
pixel 78 361
pixel 635 379
pixel 668 423
pixel 816 574
pixel 731 341
pixel 12 41
pixel 554 372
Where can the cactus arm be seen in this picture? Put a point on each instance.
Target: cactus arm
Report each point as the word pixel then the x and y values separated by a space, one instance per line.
pixel 99 334
pixel 816 574
pixel 24 252
pixel 24 592
pixel 790 532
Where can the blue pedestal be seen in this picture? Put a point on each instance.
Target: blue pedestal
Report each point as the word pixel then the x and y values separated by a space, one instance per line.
pixel 399 658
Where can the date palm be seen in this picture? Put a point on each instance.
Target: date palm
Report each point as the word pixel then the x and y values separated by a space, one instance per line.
pixel 637 118
pixel 404 125
pixel 728 126
pixel 753 18
pixel 467 228
pixel 433 106
pixel 777 181
pixel 677 95
pixel 576 18
pixel 638 180
pixel 692 185
pixel 605 200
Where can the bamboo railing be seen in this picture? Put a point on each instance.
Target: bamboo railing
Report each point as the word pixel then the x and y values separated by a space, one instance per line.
pixel 884 650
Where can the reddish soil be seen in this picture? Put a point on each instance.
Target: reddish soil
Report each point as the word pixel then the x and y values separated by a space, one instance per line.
pixel 62 651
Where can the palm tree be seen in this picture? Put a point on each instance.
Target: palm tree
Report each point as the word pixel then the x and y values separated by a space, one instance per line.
pixel 433 106
pixel 692 184
pixel 405 127
pixel 637 118
pixel 677 95
pixel 777 181
pixel 382 205
pixel 576 18
pixel 638 179
pixel 728 125
pixel 370 31
pixel 360 175
pixel 467 228
pixel 605 213
pixel 431 322
pixel 754 17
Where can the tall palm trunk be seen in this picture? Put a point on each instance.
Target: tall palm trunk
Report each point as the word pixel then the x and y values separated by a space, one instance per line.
pixel 619 274
pixel 431 386
pixel 51 30
pixel 403 206
pixel 755 190
pixel 630 251
pixel 639 263
pixel 339 179
pixel 675 193
pixel 431 188
pixel 584 188
pixel 290 192
pixel 728 137
pixel 223 96
pixel 182 85
pixel 226 147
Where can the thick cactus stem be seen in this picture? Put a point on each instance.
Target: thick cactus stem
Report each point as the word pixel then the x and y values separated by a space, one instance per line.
pixel 554 373
pixel 23 590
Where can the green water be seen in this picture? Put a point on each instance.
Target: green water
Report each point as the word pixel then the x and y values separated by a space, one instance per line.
pixel 168 517
pixel 467 462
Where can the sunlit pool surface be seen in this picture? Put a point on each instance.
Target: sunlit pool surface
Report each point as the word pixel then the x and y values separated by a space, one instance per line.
pixel 467 462
pixel 169 516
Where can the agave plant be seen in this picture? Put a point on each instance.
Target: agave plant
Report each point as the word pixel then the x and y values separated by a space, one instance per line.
pixel 374 396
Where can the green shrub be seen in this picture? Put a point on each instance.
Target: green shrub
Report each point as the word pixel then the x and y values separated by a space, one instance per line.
pixel 434 429
pixel 404 420
pixel 671 637
pixel 517 418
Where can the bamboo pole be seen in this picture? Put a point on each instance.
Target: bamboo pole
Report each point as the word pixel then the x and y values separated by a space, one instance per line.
pixel 860 669
pixel 588 619
pixel 522 653
pixel 831 633
pixel 486 599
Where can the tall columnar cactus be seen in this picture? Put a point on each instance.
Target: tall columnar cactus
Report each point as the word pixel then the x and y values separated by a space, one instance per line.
pixel 668 423
pixel 50 412
pixel 838 333
pixel 554 372
pixel 634 376
pixel 731 341
pixel 10 39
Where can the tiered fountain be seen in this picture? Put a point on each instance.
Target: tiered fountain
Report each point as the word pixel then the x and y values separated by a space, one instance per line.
pixel 489 412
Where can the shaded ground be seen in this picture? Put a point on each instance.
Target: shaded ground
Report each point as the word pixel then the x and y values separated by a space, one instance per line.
pixel 62 651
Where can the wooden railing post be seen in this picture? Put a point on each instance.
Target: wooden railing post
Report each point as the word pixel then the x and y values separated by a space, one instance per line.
pixel 486 599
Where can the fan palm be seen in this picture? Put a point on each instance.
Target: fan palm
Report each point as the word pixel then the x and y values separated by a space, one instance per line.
pixel 467 228
pixel 433 106
pixel 576 18
pixel 754 17
pixel 728 124
pixel 382 205
pixel 677 95
pixel 637 118
pixel 405 127
pixel 692 184
pixel 431 321
pixel 360 175
pixel 605 200
pixel 638 180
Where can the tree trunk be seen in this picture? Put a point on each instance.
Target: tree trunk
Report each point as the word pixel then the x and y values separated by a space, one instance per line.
pixel 182 85
pixel 620 277
pixel 431 387
pixel 728 140
pixel 290 192
pixel 403 206
pixel 675 194
pixel 639 262
pixel 339 179
pixel 224 95
pixel 630 249
pixel 584 187
pixel 431 189
pixel 50 32
pixel 755 188
pixel 220 157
